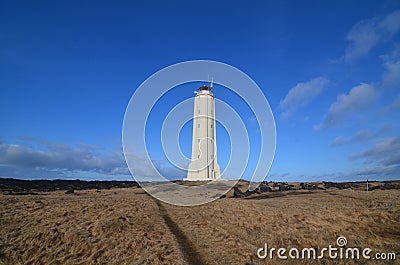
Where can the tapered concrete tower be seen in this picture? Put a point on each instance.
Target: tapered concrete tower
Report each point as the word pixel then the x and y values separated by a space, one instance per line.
pixel 204 165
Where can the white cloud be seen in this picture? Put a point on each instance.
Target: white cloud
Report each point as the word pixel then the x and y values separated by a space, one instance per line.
pixel 385 153
pixel 366 34
pixel 90 147
pixel 362 135
pixel 35 158
pixel 391 23
pixel 376 173
pixel 392 76
pixel 301 95
pixel 391 62
pixel 383 158
pixel 362 37
pixel 359 98
pixel 38 154
pixel 394 106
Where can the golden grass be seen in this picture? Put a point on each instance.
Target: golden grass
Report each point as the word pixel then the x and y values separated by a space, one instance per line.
pixel 126 226
pixel 89 228
pixel 229 231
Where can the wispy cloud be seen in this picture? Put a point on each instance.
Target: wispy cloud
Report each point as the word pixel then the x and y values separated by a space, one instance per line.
pixel 362 135
pixel 392 76
pixel 301 95
pixel 394 106
pixel 366 34
pixel 359 98
pixel 378 172
pixel 36 158
pixel 391 63
pixel 277 176
pixel 391 23
pixel 382 158
pixel 362 38
pixel 59 156
pixel 91 147
pixel 384 153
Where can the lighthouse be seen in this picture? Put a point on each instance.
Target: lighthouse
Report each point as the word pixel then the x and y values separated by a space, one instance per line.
pixel 204 165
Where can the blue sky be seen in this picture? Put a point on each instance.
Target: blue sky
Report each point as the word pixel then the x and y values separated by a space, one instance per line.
pixel 330 71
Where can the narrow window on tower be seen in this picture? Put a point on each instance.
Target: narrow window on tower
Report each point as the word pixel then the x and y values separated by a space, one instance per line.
pixel 198 140
pixel 198 111
pixel 211 125
pixel 198 125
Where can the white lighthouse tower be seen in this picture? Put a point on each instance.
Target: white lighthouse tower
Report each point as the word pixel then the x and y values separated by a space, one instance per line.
pixel 204 165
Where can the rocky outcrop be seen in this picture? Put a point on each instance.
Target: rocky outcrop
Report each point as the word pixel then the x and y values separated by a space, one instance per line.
pixel 27 186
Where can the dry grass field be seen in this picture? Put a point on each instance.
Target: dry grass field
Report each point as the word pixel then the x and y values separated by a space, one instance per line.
pixel 109 227
pixel 126 226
